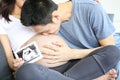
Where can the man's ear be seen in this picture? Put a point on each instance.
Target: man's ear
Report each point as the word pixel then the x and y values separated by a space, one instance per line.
pixel 56 17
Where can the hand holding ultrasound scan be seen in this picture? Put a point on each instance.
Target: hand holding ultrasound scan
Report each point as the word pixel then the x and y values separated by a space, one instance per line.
pixel 30 53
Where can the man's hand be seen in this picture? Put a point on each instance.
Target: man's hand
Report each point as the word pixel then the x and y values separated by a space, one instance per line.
pixel 57 52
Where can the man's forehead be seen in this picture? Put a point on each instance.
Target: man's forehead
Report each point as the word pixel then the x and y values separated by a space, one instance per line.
pixel 60 1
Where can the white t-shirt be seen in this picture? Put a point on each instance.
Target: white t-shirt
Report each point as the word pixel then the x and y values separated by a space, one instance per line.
pixel 17 33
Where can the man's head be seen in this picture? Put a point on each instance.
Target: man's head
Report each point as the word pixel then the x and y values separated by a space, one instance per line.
pixel 42 15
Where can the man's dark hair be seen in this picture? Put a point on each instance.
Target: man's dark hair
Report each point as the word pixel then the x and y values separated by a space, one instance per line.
pixel 37 12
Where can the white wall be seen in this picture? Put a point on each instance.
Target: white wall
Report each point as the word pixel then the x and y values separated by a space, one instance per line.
pixel 113 6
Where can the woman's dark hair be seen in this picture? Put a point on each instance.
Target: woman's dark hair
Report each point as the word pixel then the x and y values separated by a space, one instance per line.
pixel 37 12
pixel 6 8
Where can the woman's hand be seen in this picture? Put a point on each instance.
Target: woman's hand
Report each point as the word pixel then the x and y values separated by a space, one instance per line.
pixel 17 63
pixel 57 52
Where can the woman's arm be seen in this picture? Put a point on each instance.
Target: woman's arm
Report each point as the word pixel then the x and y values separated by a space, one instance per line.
pixel 7 48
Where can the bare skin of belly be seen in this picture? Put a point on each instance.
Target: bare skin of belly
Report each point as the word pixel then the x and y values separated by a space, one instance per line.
pixel 42 40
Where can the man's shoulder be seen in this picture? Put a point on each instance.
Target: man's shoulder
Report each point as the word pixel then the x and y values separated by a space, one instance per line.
pixel 86 2
pixel 86 5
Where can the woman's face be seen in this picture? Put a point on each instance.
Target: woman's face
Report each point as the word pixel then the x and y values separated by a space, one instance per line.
pixel 19 3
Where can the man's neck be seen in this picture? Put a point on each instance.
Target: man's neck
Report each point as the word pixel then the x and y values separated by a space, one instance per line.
pixel 65 10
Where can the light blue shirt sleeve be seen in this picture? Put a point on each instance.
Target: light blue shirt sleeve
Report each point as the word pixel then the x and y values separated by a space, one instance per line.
pixel 100 22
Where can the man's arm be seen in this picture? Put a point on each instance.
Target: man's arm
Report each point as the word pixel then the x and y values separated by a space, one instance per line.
pixel 59 52
pixel 107 41
pixel 81 53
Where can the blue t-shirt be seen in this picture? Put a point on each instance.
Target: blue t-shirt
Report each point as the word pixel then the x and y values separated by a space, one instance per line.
pixel 89 23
